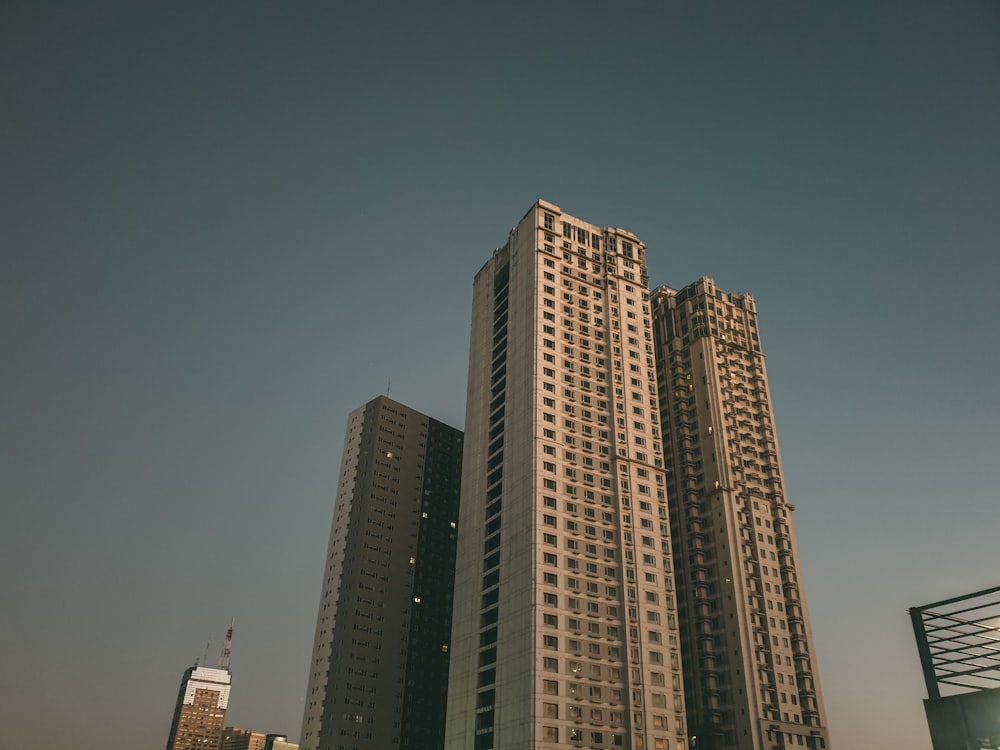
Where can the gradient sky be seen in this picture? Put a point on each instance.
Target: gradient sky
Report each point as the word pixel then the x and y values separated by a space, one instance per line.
pixel 225 225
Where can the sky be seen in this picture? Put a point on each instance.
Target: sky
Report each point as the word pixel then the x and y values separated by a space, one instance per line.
pixel 225 225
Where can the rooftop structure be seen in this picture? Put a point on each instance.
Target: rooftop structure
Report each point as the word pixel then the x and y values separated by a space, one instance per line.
pixel 958 641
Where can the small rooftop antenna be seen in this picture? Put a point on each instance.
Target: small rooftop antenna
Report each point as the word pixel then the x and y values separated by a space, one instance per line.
pixel 224 659
pixel 204 659
pixel 388 385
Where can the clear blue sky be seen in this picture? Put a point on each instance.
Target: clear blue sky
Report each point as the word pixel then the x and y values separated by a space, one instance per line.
pixel 225 225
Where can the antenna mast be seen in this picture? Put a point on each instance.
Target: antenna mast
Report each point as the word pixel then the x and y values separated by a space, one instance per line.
pixel 224 659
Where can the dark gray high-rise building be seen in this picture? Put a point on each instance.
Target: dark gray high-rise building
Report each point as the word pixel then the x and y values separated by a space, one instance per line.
pixel 378 678
pixel 749 662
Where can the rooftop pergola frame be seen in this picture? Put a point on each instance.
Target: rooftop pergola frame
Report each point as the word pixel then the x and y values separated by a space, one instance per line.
pixel 959 643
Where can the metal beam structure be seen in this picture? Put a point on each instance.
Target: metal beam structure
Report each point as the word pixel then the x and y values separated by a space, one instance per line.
pixel 958 641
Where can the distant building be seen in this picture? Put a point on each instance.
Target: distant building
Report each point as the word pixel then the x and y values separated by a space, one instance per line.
pixel 201 709
pixel 750 678
pixel 279 742
pixel 234 738
pixel 378 678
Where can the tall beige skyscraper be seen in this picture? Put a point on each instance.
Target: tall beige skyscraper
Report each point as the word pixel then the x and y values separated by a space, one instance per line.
pixel 749 663
pixel 378 678
pixel 565 627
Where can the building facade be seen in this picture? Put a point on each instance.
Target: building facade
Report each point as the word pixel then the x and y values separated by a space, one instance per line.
pixel 200 712
pixel 749 662
pixel 279 742
pixel 234 738
pixel 565 628
pixel 379 669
